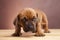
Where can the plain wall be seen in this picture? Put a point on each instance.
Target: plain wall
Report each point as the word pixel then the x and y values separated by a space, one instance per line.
pixel 10 8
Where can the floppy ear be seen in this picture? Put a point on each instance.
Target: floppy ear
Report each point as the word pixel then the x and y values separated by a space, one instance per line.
pixel 16 20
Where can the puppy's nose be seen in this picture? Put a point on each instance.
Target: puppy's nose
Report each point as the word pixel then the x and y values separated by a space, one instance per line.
pixel 30 26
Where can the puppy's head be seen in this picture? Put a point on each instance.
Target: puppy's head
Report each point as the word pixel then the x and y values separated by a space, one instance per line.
pixel 29 19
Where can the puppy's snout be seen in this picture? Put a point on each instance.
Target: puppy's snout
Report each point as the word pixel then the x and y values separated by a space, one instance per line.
pixel 30 25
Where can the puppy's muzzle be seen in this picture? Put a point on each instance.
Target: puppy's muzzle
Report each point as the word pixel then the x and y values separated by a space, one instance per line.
pixel 29 27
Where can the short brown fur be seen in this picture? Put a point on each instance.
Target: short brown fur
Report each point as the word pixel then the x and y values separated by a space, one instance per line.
pixel 29 13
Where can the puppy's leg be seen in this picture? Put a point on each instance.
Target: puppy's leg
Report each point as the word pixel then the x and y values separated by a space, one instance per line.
pixel 39 29
pixel 17 31
pixel 46 28
pixel 45 25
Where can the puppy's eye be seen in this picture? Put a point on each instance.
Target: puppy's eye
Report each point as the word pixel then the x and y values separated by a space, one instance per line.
pixel 33 19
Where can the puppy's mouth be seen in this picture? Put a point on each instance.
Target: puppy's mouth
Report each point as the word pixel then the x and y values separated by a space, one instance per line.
pixel 27 29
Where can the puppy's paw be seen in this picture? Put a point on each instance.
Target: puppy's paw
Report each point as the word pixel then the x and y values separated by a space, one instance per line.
pixel 46 31
pixel 15 34
pixel 39 35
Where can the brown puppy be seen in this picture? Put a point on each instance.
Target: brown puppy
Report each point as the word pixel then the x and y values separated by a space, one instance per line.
pixel 31 20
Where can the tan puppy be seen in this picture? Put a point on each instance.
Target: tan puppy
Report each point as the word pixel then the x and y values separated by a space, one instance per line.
pixel 31 20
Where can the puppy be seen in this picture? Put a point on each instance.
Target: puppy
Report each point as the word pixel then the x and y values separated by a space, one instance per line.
pixel 31 20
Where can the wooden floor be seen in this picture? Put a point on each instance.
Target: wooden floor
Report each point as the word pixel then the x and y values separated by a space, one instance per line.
pixel 6 35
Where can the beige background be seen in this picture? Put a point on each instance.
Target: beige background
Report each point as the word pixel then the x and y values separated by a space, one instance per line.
pixel 9 9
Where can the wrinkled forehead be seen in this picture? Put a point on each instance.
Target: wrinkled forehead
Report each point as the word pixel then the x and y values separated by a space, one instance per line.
pixel 28 12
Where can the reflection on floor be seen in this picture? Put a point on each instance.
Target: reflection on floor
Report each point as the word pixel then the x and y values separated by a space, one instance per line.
pixel 6 35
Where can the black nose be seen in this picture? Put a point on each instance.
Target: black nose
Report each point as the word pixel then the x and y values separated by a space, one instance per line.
pixel 28 27
pixel 31 28
pixel 29 24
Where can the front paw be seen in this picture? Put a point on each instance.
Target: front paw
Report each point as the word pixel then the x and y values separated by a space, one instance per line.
pixel 41 34
pixel 46 31
pixel 15 34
